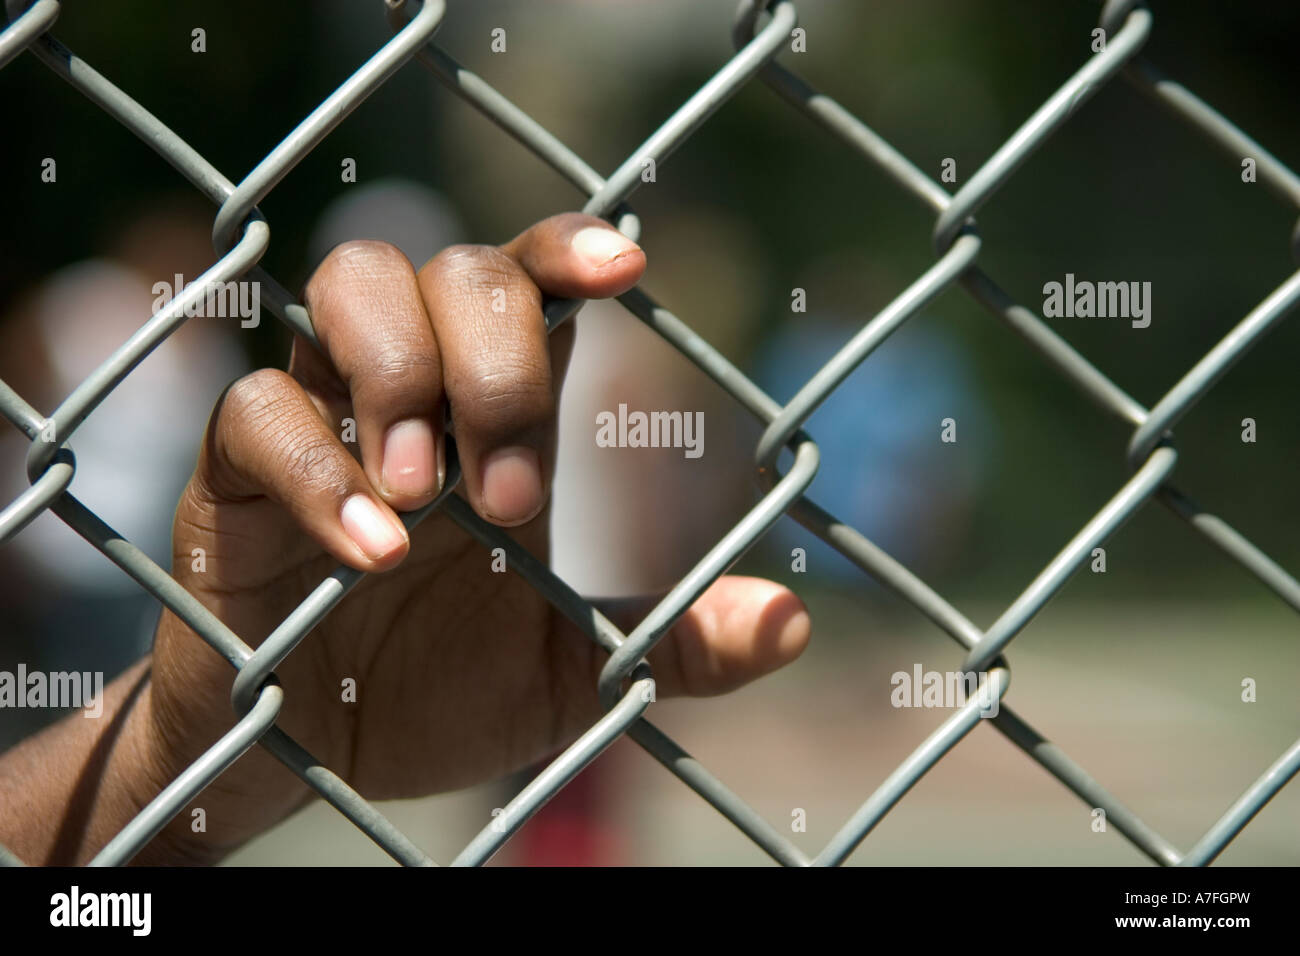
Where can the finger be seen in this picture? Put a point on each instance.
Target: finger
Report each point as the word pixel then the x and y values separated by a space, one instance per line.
pixel 373 329
pixel 740 629
pixel 578 256
pixel 496 366
pixel 266 439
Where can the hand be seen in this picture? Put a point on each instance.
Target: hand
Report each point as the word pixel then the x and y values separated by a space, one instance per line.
pixel 462 674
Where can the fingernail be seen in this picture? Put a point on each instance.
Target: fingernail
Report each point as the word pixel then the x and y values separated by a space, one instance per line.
pixel 601 246
pixel 512 484
pixel 409 458
pixel 372 530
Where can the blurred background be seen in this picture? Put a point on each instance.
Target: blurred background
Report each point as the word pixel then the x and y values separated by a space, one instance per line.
pixel 1136 673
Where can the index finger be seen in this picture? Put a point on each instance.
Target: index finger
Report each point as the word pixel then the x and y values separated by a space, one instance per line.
pixel 577 256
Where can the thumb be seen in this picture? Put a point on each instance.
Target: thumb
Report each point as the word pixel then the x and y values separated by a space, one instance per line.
pixel 740 629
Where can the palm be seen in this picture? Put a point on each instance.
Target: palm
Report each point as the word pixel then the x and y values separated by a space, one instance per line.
pixel 460 674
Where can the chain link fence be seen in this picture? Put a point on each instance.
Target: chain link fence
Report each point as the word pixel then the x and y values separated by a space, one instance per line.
pixel 762 30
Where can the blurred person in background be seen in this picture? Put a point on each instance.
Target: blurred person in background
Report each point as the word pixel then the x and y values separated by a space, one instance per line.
pixel 66 605
pixel 885 469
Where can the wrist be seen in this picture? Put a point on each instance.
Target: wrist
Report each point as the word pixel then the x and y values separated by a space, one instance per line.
pixel 158 764
pixel 182 717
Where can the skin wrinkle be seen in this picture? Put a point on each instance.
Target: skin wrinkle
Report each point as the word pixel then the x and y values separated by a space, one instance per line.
pixel 393 367
pixel 214 558
pixel 264 399
pixel 356 263
pixel 257 398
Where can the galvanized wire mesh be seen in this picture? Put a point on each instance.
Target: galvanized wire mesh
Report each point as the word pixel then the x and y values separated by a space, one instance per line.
pixel 762 28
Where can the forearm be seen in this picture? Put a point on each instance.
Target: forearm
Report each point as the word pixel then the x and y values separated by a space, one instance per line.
pixel 66 791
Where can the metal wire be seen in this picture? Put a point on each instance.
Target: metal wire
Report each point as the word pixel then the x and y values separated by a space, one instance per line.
pixel 761 28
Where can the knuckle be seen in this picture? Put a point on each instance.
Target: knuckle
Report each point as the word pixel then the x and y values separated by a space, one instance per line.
pixel 255 400
pixel 350 261
pixel 397 370
pixel 475 269
pixel 358 255
pixel 268 439
pixel 463 256
pixel 311 462
pixel 501 394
